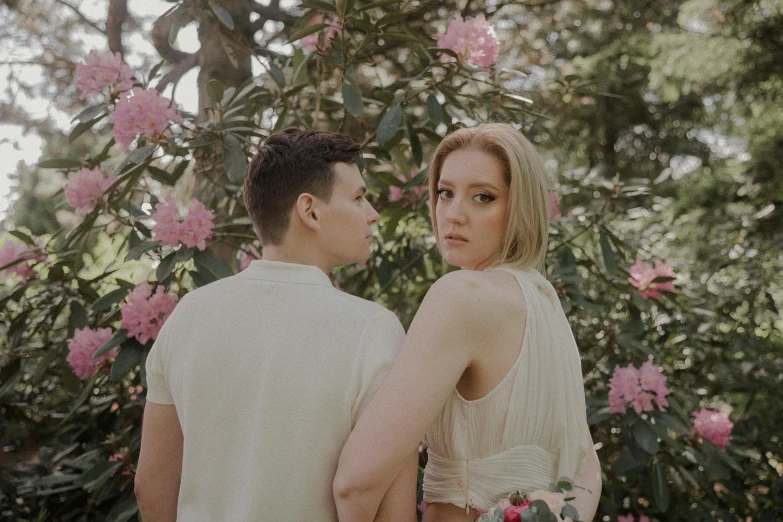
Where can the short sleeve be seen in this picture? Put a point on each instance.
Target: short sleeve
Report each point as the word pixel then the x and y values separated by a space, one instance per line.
pixel 158 390
pixel 381 342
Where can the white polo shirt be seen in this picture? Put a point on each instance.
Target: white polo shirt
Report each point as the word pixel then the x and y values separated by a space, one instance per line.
pixel 268 370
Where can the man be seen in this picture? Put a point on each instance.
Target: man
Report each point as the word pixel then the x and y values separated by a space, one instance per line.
pixel 256 380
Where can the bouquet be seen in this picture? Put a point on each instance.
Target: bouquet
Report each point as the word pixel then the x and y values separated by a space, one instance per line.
pixel 537 506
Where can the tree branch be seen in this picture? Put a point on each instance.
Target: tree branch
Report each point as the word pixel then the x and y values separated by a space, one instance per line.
pixel 160 39
pixel 118 11
pixel 81 15
pixel 174 75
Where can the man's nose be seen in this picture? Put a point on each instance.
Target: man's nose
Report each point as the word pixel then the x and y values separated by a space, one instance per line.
pixel 372 215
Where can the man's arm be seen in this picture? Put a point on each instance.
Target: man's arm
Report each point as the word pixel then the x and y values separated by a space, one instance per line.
pixel 399 503
pixel 160 464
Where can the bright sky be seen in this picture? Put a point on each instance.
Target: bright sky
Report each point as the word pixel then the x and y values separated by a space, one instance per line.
pixel 14 147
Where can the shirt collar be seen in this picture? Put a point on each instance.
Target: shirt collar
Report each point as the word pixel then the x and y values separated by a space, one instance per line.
pixel 282 272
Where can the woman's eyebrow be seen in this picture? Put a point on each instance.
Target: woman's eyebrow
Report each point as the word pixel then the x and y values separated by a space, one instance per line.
pixel 477 184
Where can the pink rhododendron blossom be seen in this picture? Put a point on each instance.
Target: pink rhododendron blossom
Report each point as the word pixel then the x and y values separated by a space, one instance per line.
pixel 640 388
pixel 643 274
pixel 473 39
pixel 142 112
pixel 192 230
pixel 101 70
pixel 625 518
pixel 85 187
pixel 249 253
pixel 554 200
pixel 411 197
pixel 145 312
pixel 310 42
pixel 644 518
pixel 26 255
pixel 714 426
pixel 83 345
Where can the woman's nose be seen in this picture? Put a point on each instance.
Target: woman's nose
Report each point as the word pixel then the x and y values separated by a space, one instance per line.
pixel 455 212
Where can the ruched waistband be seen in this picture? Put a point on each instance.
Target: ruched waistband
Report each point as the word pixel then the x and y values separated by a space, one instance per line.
pixel 481 483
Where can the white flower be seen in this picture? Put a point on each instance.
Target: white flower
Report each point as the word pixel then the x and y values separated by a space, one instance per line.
pixel 555 501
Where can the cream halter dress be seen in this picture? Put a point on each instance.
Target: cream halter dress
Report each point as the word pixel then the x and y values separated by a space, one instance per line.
pixel 529 430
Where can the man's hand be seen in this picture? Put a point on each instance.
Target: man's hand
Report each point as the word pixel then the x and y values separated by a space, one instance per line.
pixel 160 464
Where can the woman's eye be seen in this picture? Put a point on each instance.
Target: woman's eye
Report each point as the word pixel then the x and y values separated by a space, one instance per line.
pixel 483 198
pixel 444 194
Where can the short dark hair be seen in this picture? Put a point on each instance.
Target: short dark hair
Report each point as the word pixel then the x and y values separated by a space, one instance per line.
pixel 292 162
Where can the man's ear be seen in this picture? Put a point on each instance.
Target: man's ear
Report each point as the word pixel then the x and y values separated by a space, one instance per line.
pixel 308 209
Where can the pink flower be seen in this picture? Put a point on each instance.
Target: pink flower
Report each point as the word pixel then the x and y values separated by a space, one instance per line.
pixel 83 345
pixel 643 274
pixel 310 42
pixel 101 70
pixel 192 231
pixel 513 513
pixel 473 39
pixel 25 256
pixel 85 187
pixel 641 388
pixel 644 518
pixel 412 197
pixel 624 518
pixel 145 113
pixel 249 253
pixel 145 312
pixel 554 200
pixel 714 426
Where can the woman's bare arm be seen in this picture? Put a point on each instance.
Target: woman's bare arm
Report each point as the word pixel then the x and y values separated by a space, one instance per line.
pixel 587 490
pixel 453 323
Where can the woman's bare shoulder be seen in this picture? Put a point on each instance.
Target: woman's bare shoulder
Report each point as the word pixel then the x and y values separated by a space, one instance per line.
pixel 482 296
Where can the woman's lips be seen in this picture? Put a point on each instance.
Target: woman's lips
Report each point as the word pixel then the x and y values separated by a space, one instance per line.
pixel 455 241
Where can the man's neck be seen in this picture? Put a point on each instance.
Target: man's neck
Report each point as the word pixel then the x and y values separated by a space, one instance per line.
pixel 298 256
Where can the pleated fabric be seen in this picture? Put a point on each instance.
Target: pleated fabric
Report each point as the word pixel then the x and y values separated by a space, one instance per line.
pixel 529 430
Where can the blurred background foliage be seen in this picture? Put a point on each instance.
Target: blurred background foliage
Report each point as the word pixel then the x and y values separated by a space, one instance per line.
pixel 660 124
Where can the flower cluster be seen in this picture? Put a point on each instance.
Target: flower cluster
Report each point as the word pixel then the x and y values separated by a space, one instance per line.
pixel 192 231
pixel 411 198
pixel 145 312
pixel 143 112
pixel 629 518
pixel 101 70
pixel 85 187
pixel 643 274
pixel 513 507
pixel 714 426
pixel 310 42
pixel 638 388
pixel 249 253
pixel 83 345
pixel 473 39
pixel 554 205
pixel 25 257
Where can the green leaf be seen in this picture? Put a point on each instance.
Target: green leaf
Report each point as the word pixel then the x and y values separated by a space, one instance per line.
pixel 391 18
pixel 413 138
pixel 390 124
pixel 137 251
pixel 230 53
pixel 660 487
pixel 565 483
pixel 202 278
pixel 645 436
pixel 215 90
pixel 98 475
pixel 207 261
pixel 419 180
pixel 81 128
pixel 117 339
pixel 108 300
pixel 352 99
pixel 570 512
pixel 277 74
pixel 90 112
pixel 403 37
pixel 60 163
pixel 222 15
pixel 141 154
pixel 166 266
pixel 160 175
pixel 306 31
pixel 155 69
pixel 234 159
pixel 320 6
pixel 78 317
pixel 608 254
pixel 126 360
pixel 378 3
pixel 434 110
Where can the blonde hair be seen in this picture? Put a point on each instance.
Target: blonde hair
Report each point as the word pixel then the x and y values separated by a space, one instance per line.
pixel 527 232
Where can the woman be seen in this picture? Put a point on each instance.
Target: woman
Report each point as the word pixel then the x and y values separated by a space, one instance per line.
pixel 489 369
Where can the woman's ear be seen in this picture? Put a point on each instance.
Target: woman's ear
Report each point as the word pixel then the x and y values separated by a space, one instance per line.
pixel 307 208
